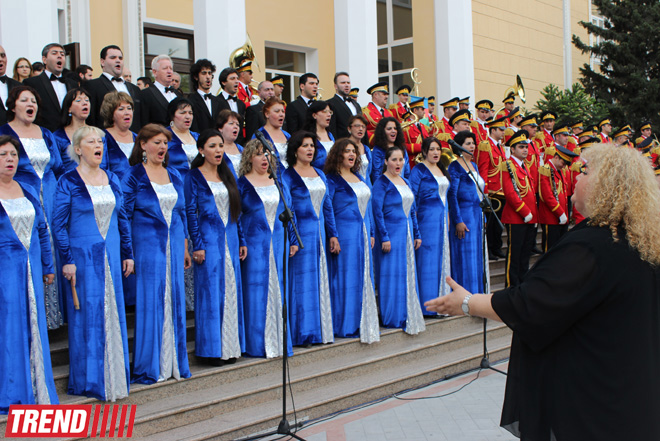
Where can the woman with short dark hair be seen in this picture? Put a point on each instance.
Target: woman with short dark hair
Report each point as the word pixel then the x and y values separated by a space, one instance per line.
pixel 75 110
pixel 230 124
pixel 182 148
pixel 319 114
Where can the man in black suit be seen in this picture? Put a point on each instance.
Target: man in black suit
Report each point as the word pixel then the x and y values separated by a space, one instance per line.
pixel 229 98
pixel 111 80
pixel 343 106
pixel 155 99
pixel 254 116
pixel 296 111
pixel 206 106
pixel 51 86
pixel 6 84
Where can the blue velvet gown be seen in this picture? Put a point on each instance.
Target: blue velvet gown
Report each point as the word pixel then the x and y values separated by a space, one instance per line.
pixel 396 221
pixel 310 312
pixel 280 150
pixel 322 152
pixel 467 267
pixel 378 164
pixel 91 231
pixel 157 285
pixel 219 328
pixel 41 173
pixel 432 257
pixel 63 143
pixel 234 162
pixel 26 256
pixel 354 309
pixel 114 158
pixel 180 157
pixel 367 165
pixel 262 271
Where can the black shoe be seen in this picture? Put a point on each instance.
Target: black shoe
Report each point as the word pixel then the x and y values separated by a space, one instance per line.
pixel 499 254
pixel 230 361
pixel 492 256
pixel 213 361
pixel 536 250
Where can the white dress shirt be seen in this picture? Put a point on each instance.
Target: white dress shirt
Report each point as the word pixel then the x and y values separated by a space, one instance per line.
pixel 59 87
pixel 233 105
pixel 120 86
pixel 169 96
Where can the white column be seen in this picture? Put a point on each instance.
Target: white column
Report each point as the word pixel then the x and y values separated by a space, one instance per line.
pixel 356 44
pixel 568 47
pixel 80 30
pixel 26 27
pixel 133 47
pixel 217 32
pixel 454 52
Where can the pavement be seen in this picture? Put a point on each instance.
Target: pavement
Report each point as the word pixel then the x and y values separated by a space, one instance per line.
pixel 463 408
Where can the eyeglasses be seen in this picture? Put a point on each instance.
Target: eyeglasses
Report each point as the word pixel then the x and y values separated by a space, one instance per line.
pixel 358 126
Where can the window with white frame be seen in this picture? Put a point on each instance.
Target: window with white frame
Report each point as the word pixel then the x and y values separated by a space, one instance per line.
pixel 289 64
pixel 395 43
pixel 597 20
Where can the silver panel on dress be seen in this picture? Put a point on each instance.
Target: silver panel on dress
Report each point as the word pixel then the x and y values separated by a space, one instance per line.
pixel 126 148
pixel 327 145
pixel 364 164
pixel 231 346
pixel 21 215
pixel 369 325
pixel 414 318
pixel 169 365
pixel 445 271
pixel 191 152
pixel 274 345
pixel 317 191
pixel 281 149
pixel 38 153
pixel 116 384
pixel 235 160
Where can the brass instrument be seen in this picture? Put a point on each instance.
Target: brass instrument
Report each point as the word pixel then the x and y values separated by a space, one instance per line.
pixel 496 199
pixel 414 75
pixel 409 123
pixel 447 157
pixel 243 54
pixel 517 89
pixel 318 96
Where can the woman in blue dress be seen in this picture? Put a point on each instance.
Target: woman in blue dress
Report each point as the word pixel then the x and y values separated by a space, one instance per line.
pixel 39 166
pixel 397 238
pixel 274 113
pixel 429 183
pixel 354 310
pixel 388 134
pixel 466 219
pixel 213 205
pixel 182 149
pixel 93 238
pixel 310 312
pixel 319 115
pixel 230 123
pixel 118 143
pixel 357 127
pixel 261 271
pixel 75 110
pixel 27 265
pixel 155 207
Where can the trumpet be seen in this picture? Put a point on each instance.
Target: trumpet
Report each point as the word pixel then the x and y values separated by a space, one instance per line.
pixel 409 123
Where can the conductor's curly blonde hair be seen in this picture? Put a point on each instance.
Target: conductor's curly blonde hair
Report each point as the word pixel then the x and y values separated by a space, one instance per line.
pixel 623 194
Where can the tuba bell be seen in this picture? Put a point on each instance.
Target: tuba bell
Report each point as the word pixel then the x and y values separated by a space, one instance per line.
pixel 243 54
pixel 517 89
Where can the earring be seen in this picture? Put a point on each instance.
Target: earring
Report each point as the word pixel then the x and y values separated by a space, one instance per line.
pixel 144 157
pixel 202 155
pixel 69 113
pixel 171 123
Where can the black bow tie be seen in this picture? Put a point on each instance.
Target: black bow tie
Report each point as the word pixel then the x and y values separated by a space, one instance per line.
pixel 348 99
pixel 170 89
pixel 117 79
pixel 233 98
pixel 54 78
pixel 3 79
pixel 208 96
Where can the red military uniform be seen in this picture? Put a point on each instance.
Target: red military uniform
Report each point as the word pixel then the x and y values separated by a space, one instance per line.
pixel 398 110
pixel 604 138
pixel 518 206
pixel 244 94
pixel 414 134
pixel 533 162
pixel 489 157
pixel 509 132
pixel 479 130
pixel 552 195
pixel 547 140
pixel 373 116
pixel 574 172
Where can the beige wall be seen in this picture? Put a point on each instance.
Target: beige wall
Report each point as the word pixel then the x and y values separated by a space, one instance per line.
pixel 281 25
pixel 528 43
pixel 106 28
pixel 179 11
pixel 424 46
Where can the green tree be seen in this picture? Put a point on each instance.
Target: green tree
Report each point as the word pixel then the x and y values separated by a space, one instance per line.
pixel 628 47
pixel 571 104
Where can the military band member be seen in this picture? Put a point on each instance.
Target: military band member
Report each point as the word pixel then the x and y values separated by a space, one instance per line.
pixel 278 85
pixel 433 118
pixel 448 108
pixel 576 169
pixel 562 136
pixel 588 132
pixel 533 160
pixel 508 102
pixel 520 213
pixel 245 90
pixel 514 118
pixel 553 198
pixel 577 128
pixel 621 137
pixel 354 93
pixel 490 156
pixel 478 126
pixel 464 103
pixel 377 108
pixel 651 150
pixel 400 108
pixel 605 127
pixel 644 131
pixel 415 132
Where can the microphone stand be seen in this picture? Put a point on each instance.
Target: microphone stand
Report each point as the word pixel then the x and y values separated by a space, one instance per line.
pixel 484 204
pixel 286 217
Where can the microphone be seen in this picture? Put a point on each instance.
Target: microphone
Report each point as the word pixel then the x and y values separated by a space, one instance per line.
pixel 260 136
pixel 458 147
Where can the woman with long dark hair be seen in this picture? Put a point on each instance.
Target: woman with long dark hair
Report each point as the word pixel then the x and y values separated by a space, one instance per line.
pixel 350 263
pixel 213 205
pixel 319 114
pixel 388 134
pixel 156 208
pixel 429 183
pixel 309 302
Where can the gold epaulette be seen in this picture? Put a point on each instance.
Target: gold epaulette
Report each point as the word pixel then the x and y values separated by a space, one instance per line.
pixel 365 109
pixel 503 167
pixel 655 149
pixel 545 170
pixel 392 106
pixel 474 124
pixel 571 141
pixel 539 136
pixel 639 140
pixel 550 151
pixel 576 166
pixel 577 150
pixel 509 131
pixel 484 146
pixel 444 137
